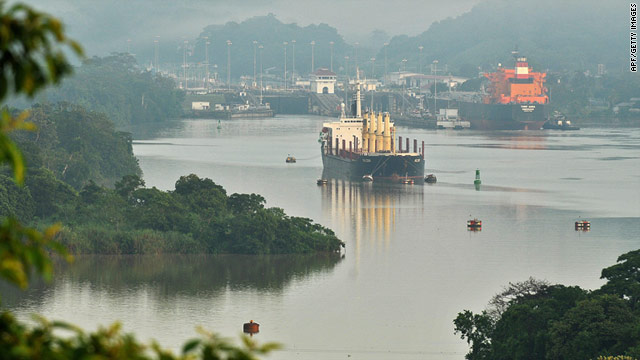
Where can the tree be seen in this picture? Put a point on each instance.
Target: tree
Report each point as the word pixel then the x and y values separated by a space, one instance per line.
pixel 603 325
pixel 477 329
pixel 623 278
pixel 31 59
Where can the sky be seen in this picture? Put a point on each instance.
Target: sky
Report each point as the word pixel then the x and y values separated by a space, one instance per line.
pixel 103 26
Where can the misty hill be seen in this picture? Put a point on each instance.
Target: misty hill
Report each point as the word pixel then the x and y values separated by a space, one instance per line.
pixel 116 86
pixel 271 33
pixel 555 35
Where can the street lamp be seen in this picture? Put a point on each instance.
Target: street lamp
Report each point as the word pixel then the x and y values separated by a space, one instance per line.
pixel 346 79
pixel 229 64
pixel 313 44
pixel 435 86
pixel 346 66
pixel 356 58
pixel 331 45
pixel 206 47
pixel 254 62
pixel 155 54
pixel 285 64
pixel 184 63
pixel 404 82
pixel 386 45
pixel 293 65
pixel 373 62
pixel 260 47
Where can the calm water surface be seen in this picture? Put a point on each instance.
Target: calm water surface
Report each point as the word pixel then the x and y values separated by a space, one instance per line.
pixel 410 264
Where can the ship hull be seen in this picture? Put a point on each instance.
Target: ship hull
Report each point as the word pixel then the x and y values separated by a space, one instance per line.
pixel 503 116
pixel 381 166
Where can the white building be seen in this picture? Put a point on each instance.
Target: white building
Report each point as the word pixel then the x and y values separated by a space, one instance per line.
pixel 200 105
pixel 323 81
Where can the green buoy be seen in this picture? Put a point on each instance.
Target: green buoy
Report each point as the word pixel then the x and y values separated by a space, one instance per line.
pixel 219 125
pixel 477 181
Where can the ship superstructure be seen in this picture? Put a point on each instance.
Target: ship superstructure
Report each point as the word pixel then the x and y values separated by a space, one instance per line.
pixel 359 145
pixel 516 99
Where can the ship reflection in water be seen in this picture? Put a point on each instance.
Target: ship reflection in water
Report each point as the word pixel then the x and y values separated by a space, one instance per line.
pixel 367 212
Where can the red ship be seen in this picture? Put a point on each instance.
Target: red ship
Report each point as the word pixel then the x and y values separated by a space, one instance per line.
pixel 516 99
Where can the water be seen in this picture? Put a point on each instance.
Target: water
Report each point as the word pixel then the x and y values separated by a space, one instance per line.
pixel 410 264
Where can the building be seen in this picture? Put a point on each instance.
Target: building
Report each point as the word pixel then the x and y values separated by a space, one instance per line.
pixel 200 105
pixel 323 81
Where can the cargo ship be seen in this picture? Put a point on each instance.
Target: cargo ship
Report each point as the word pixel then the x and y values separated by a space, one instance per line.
pixel 362 147
pixel 516 100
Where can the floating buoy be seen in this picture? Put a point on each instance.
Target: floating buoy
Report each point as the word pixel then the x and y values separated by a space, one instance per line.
pixel 477 181
pixel 251 328
pixel 583 225
pixel 474 225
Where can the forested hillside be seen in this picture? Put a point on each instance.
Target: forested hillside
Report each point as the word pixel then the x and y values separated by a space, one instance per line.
pixel 116 86
pixel 271 33
pixel 76 146
pixel 555 35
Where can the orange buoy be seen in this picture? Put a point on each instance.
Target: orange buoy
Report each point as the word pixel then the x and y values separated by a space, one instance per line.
pixel 251 327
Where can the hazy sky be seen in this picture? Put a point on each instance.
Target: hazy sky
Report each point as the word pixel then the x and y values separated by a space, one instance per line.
pixel 104 25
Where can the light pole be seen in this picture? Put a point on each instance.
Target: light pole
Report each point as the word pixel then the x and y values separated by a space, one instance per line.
pixel 346 80
pixel 254 62
pixel 346 66
pixel 184 63
pixel 313 44
pixel 155 53
pixel 356 55
pixel 420 59
pixel 331 45
pixel 260 47
pixel 373 68
pixel 435 86
pixel 229 64
pixel 386 45
pixel 129 46
pixel 206 53
pixel 285 64
pixel 293 63
pixel 404 82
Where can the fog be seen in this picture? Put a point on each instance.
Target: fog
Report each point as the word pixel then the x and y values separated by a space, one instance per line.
pixel 104 26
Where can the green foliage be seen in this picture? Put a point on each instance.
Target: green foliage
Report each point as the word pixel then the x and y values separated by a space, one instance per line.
pixel 117 87
pixel 476 328
pixel 599 326
pixel 24 250
pixel 15 201
pixel 25 39
pixel 49 194
pixel 197 217
pixel 77 145
pixel 623 278
pixel 534 320
pixel 31 46
pixel 42 342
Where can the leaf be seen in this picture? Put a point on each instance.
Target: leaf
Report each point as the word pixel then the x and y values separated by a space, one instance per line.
pixel 190 345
